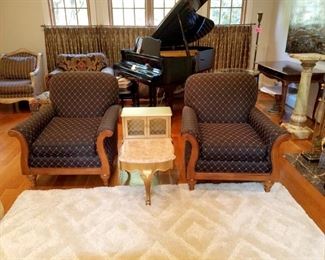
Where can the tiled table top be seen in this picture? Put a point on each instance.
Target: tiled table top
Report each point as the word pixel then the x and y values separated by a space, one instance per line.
pixel 310 170
pixel 147 150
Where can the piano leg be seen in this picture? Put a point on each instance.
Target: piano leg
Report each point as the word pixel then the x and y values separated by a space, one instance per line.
pixel 169 93
pixel 152 96
pixel 135 93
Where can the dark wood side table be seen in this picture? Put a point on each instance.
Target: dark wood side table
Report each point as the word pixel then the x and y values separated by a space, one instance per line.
pixel 287 72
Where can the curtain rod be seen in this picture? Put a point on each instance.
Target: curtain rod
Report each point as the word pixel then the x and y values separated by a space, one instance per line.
pixel 242 24
pixel 112 26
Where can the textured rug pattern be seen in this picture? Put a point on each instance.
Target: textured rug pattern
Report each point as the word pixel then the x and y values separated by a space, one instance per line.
pixel 225 221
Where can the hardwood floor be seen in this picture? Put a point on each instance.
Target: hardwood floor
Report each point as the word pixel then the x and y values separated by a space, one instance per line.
pixel 12 182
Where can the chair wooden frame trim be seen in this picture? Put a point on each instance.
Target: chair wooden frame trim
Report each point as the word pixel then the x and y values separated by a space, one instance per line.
pixel 104 171
pixel 193 176
pixel 35 76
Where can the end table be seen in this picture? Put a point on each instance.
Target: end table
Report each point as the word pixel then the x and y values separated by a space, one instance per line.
pixel 147 144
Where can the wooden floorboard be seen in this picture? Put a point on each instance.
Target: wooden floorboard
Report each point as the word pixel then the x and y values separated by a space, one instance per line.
pixel 12 183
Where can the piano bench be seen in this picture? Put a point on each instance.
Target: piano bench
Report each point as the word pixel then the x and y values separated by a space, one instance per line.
pixel 128 89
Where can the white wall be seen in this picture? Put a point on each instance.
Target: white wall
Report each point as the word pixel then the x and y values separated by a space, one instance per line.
pixel 267 25
pixel 278 34
pixel 21 22
pixel 20 27
pixel 1 25
pixel 101 7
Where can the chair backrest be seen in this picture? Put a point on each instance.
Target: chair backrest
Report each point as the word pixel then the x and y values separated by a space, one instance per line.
pixel 95 61
pixel 18 64
pixel 221 97
pixel 83 94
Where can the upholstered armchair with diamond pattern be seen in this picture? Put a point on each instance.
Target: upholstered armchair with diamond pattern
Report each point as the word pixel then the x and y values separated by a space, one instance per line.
pixel 21 76
pixel 77 132
pixel 225 137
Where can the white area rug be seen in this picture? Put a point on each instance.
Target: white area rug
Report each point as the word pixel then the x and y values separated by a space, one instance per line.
pixel 225 221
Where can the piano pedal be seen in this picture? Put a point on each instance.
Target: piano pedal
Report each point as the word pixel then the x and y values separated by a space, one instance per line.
pixel 160 100
pixel 160 96
pixel 179 89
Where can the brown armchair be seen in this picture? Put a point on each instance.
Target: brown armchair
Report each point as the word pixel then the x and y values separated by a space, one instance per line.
pixel 225 137
pixel 77 132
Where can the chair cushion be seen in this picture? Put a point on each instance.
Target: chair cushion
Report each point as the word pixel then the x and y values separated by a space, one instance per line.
pixel 68 137
pixel 17 67
pixel 82 62
pixel 15 87
pixel 230 142
pixel 65 161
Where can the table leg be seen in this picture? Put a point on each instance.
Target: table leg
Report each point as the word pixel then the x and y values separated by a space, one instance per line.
pixel 321 87
pixel 152 96
pixel 127 182
pixel 146 176
pixel 135 93
pixel 276 108
pixel 169 92
pixel 284 97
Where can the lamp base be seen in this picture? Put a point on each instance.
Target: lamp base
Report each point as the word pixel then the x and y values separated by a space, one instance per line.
pixel 299 132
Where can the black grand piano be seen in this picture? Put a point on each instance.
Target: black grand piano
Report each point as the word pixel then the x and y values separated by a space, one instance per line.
pixel 175 61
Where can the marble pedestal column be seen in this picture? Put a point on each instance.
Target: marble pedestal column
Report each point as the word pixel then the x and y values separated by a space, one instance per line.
pixel 296 126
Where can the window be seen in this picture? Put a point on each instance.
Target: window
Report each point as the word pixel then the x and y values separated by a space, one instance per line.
pixel 139 12
pixel 161 9
pixel 69 12
pixel 152 12
pixel 227 11
pixel 129 12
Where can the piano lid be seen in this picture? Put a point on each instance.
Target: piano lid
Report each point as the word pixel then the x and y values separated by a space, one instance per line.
pixel 195 26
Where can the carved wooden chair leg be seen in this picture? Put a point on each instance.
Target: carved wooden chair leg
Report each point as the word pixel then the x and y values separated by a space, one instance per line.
pixel 105 178
pixel 191 184
pixel 268 185
pixel 32 179
pixel 2 210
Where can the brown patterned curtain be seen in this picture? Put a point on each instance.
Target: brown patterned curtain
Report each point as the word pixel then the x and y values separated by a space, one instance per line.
pixel 113 39
pixel 231 43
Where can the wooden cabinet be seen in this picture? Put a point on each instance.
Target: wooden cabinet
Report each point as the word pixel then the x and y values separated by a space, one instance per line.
pixel 146 122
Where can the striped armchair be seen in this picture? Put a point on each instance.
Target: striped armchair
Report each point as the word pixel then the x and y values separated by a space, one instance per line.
pixel 21 76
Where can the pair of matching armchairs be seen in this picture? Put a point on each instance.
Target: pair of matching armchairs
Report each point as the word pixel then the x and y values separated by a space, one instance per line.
pixel 21 76
pixel 225 137
pixel 76 133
